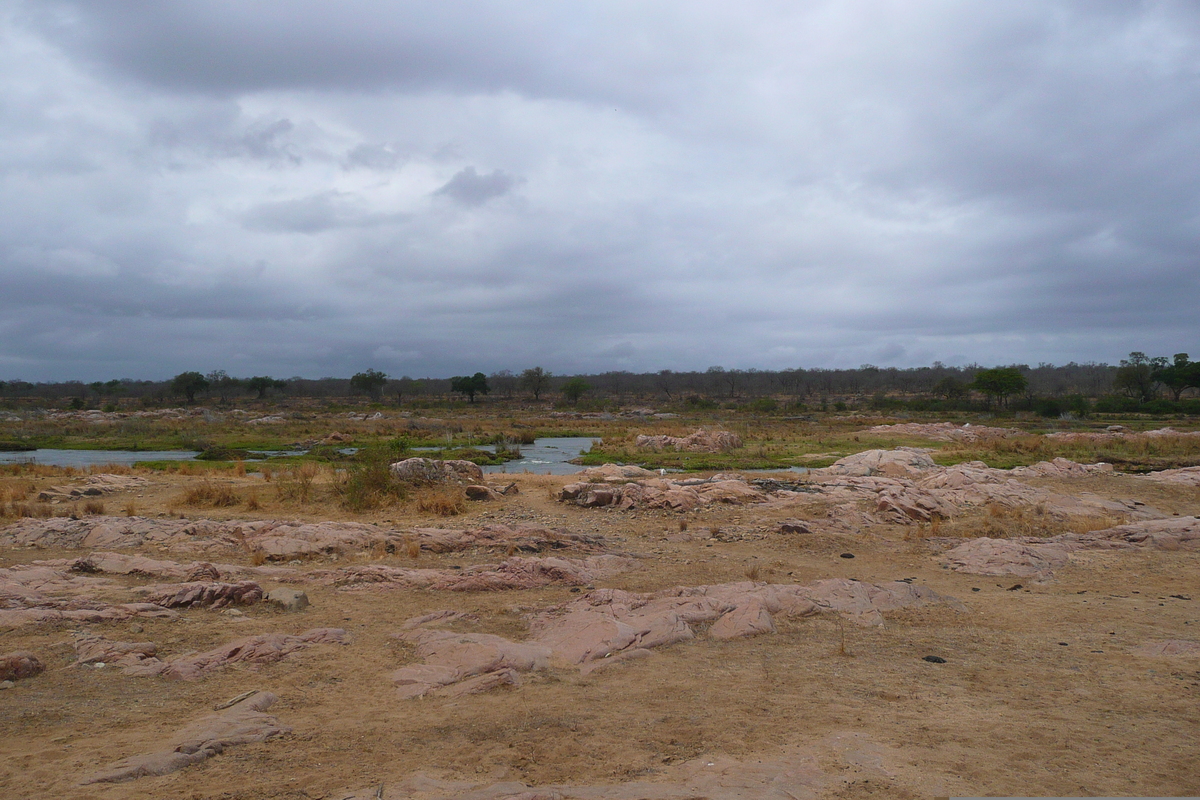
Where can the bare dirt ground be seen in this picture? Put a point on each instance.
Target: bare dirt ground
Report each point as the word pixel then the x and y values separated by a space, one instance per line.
pixel 1039 693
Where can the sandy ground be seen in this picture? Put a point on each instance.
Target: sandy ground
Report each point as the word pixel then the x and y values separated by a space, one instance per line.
pixel 1039 694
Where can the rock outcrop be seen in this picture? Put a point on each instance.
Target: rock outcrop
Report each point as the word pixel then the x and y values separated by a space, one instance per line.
pixel 204 594
pixel 275 540
pixel 92 486
pixel 140 658
pixel 903 462
pixel 1036 558
pixel 683 494
pixel 37 594
pixel 700 441
pixel 607 626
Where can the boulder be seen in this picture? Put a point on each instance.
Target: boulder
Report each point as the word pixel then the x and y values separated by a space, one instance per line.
pixel 290 600
pixel 428 470
pixel 19 665
pixel 481 493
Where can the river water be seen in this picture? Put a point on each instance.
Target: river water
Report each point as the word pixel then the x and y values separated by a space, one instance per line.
pixel 90 458
pixel 545 456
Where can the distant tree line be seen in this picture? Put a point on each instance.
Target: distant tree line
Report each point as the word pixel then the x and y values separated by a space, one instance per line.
pixel 1139 382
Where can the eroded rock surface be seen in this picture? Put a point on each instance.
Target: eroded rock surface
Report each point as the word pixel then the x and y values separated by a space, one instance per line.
pixel 512 573
pixel 204 594
pixel 209 736
pixel 264 648
pixel 450 659
pixel 37 594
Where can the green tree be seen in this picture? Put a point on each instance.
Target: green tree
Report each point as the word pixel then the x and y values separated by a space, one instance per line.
pixel 1179 376
pixel 535 379
pixel 950 388
pixel 369 383
pixel 407 386
pixel 999 383
pixel 574 389
pixel 470 386
pixel 1136 375
pixel 225 386
pixel 264 383
pixel 187 384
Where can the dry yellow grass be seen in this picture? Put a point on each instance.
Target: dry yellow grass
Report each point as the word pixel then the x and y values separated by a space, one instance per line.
pixel 442 501
pixel 211 494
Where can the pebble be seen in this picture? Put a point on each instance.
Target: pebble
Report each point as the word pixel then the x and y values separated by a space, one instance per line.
pixel 135 628
pixel 6 684
pixel 935 659
pixel 847 555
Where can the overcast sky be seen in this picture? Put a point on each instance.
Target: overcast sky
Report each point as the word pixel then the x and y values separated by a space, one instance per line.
pixel 428 189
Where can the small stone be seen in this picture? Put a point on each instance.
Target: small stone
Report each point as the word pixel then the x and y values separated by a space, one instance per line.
pixel 232 612
pixel 100 665
pixel 847 555
pixel 935 659
pixel 974 588
pixel 135 628
pixel 6 684
pixel 1063 644
pixel 1015 586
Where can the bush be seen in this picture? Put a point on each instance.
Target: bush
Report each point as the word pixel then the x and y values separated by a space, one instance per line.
pixel 369 483
pixel 763 405
pixel 1049 407
pixel 1159 407
pixel 1116 404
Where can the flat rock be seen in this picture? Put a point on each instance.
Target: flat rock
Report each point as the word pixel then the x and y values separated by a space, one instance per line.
pixel 243 723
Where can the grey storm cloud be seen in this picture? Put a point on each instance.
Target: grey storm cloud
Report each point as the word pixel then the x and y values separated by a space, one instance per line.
pixel 472 189
pixel 434 189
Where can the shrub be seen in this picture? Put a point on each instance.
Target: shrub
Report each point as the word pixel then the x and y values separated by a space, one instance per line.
pixel 1049 407
pixel 369 483
pixel 95 507
pixel 763 405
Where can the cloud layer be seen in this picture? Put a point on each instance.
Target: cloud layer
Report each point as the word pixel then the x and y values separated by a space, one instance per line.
pixel 435 189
